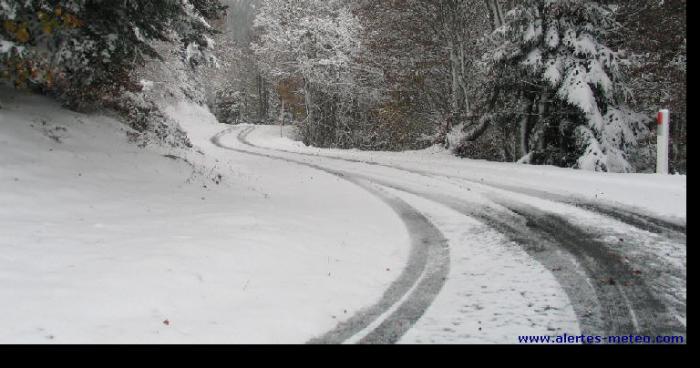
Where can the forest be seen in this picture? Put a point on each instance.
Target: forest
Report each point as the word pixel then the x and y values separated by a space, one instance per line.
pixel 570 83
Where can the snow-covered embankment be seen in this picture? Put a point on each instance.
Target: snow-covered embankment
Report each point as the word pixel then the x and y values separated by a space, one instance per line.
pixel 104 242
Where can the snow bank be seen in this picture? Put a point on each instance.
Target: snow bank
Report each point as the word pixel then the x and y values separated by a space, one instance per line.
pixel 103 242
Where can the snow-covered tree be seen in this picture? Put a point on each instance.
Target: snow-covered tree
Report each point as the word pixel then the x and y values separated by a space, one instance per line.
pixel 79 48
pixel 237 90
pixel 564 86
pixel 312 38
pixel 309 49
pixel 428 51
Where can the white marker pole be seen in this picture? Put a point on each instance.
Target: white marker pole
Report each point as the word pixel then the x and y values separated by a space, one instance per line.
pixel 663 121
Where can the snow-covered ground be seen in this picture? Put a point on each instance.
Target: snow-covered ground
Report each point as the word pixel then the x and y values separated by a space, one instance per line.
pixel 495 291
pixel 103 242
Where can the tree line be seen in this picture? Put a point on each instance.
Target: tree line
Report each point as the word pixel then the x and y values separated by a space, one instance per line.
pixel 571 83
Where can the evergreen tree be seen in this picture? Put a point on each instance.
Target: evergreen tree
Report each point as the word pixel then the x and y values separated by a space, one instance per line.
pixel 565 89
pixel 84 49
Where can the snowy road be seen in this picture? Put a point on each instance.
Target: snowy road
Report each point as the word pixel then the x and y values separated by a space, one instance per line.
pixel 252 237
pixel 490 261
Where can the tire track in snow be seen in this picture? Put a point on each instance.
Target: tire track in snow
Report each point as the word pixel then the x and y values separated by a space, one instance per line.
pixel 407 297
pixel 606 295
pixel 631 217
pixel 626 304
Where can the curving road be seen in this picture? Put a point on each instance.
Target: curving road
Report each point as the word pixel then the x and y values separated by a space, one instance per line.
pixel 608 260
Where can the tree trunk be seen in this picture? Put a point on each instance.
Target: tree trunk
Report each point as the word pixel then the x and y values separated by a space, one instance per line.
pixel 528 120
pixel 263 98
pixel 462 81
pixel 307 101
pixel 495 13
pixel 542 111
pixel 524 127
pixel 455 79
